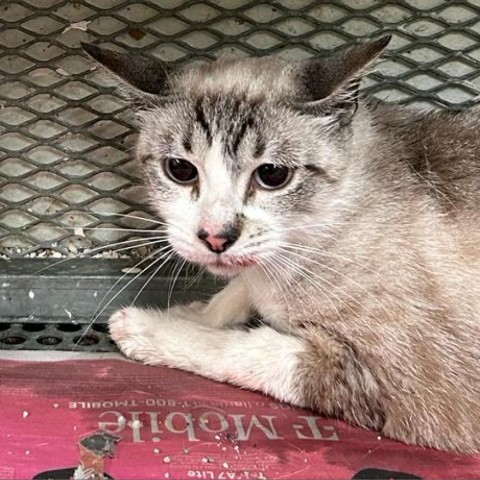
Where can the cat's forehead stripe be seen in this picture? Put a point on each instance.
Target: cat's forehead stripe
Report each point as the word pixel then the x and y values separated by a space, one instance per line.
pixel 230 119
pixel 201 120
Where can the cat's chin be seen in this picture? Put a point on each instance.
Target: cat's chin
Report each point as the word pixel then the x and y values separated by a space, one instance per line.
pixel 227 271
pixel 229 268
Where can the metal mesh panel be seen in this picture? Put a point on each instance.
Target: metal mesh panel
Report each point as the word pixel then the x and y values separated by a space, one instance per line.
pixel 65 165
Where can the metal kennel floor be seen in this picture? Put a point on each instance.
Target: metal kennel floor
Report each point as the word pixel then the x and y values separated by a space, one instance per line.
pixel 68 181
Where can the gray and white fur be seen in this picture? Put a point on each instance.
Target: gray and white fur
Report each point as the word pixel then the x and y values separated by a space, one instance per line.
pixel 364 264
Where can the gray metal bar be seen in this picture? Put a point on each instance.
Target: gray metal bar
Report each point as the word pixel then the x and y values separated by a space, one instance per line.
pixel 75 290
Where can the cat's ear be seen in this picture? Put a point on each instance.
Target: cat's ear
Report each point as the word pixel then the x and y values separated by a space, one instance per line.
pixel 329 86
pixel 141 79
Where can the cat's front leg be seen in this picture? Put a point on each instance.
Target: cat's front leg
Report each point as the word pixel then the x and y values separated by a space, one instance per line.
pixel 312 370
pixel 231 306
pixel 260 359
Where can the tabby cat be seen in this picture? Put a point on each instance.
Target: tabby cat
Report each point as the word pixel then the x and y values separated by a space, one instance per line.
pixel 351 227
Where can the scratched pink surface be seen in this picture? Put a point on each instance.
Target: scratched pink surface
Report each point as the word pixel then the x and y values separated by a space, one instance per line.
pixel 176 425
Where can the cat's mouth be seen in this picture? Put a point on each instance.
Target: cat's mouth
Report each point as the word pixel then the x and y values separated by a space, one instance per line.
pixel 229 265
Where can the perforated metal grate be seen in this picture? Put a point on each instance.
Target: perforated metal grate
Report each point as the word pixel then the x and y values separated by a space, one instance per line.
pixel 62 336
pixel 65 165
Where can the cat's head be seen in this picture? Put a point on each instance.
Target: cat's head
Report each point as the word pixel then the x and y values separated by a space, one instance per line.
pixel 241 157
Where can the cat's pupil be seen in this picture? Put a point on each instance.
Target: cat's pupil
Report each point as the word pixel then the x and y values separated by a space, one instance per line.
pixel 272 176
pixel 181 171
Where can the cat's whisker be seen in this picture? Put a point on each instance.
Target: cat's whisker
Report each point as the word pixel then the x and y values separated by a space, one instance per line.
pixel 329 254
pixel 347 222
pixel 341 290
pixel 195 279
pixel 313 225
pixel 302 270
pixel 168 257
pixel 136 217
pixel 97 315
pixel 187 273
pixel 293 267
pixel 120 229
pixel 336 272
pixel 322 253
pixel 290 266
pixel 182 234
pixel 334 299
pixel 198 277
pixel 316 275
pixel 324 225
pixel 277 282
pixel 153 241
pixel 175 274
pixel 314 249
pixel 89 252
pixel 132 269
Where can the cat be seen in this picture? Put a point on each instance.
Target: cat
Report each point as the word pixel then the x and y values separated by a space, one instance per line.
pixel 350 226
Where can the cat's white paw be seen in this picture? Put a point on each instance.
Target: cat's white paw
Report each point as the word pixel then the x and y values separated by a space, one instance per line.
pixel 158 337
pixel 134 330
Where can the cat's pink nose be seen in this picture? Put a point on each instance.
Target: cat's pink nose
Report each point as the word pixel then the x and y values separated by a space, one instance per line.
pixel 220 242
pixel 217 244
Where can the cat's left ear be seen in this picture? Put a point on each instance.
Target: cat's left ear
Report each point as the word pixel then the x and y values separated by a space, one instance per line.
pixel 329 86
pixel 140 79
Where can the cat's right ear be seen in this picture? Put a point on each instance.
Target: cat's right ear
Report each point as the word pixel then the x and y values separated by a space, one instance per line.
pixel 141 79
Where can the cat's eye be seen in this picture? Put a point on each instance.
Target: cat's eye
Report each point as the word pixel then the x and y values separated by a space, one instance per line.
pixel 271 176
pixel 181 171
